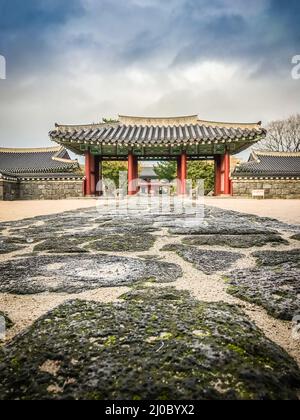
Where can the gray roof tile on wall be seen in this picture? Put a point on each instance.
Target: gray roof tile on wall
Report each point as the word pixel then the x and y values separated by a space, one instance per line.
pixel 36 161
pixel 270 164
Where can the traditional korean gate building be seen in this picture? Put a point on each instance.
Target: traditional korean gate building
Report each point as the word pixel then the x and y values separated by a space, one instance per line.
pixel 138 138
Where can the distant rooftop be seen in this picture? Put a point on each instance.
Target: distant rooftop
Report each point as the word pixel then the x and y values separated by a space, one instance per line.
pixel 270 164
pixel 148 170
pixel 48 160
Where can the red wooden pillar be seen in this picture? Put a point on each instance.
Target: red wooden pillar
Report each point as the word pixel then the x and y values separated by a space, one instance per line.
pixel 217 175
pixel 100 176
pixel 183 171
pixel 97 174
pixel 131 174
pixel 149 186
pixel 179 175
pixel 93 174
pixel 87 173
pixel 136 173
pixel 222 174
pixel 137 167
pixel 227 174
pixel 179 167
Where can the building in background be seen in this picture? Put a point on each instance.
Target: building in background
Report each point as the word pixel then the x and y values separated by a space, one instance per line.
pixel 39 174
pixel 234 162
pixel 147 171
pixel 276 174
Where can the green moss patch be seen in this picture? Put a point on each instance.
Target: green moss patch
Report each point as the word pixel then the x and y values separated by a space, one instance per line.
pixel 123 243
pixel 236 241
pixel 277 258
pixel 59 246
pixel 208 261
pixel 274 284
pixel 78 273
pixel 156 344
pixel 7 246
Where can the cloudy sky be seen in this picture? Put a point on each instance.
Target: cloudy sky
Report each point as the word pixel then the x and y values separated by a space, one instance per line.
pixel 76 61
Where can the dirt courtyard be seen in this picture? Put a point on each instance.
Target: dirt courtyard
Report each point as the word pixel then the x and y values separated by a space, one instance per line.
pixel 285 210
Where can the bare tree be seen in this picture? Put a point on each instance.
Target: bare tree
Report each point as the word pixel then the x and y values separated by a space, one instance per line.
pixel 283 135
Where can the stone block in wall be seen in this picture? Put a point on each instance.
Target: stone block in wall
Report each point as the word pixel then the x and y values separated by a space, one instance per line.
pixel 273 188
pixel 43 190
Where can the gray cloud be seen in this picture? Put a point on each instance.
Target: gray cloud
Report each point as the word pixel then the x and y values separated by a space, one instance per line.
pixel 79 60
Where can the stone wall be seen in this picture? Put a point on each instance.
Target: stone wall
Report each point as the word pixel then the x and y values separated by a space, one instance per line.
pixel 9 189
pixel 14 189
pixel 275 188
pixel 51 190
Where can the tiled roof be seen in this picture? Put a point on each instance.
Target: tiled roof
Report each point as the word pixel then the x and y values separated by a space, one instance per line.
pixel 116 133
pixel 52 160
pixel 42 177
pixel 149 132
pixel 269 164
pixel 7 176
pixel 148 172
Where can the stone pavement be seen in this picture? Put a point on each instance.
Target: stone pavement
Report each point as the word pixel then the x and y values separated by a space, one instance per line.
pixel 195 301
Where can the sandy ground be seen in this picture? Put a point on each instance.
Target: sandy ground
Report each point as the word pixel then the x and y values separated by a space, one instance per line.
pixel 18 210
pixel 284 210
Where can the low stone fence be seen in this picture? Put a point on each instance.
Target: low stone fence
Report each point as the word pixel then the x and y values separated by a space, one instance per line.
pixel 49 189
pixel 9 188
pixel 273 188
